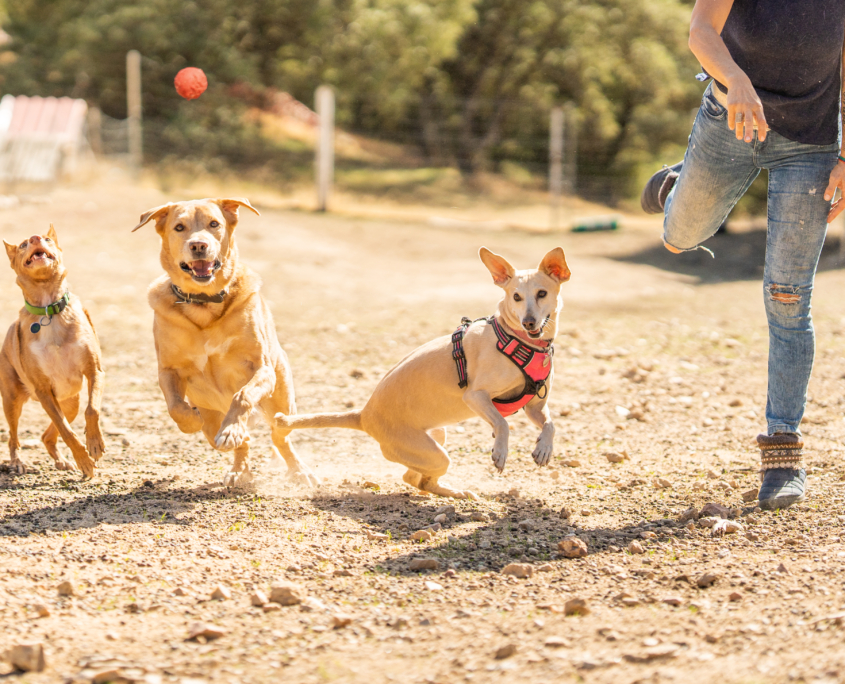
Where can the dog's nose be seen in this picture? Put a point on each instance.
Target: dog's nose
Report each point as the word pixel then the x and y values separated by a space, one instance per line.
pixel 198 247
pixel 35 238
pixel 529 323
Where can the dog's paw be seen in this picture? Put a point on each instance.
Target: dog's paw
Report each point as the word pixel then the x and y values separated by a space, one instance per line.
pixel 500 454
pixel 64 464
pixel 96 446
pixel 719 529
pixel 542 453
pixel 238 480
pixel 231 436
pixel 18 466
pixel 305 477
pixel 85 464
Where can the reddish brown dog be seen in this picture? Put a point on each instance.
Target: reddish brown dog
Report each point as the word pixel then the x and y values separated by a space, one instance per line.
pixel 46 354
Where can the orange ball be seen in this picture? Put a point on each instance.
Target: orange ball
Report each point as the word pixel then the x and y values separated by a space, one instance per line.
pixel 190 83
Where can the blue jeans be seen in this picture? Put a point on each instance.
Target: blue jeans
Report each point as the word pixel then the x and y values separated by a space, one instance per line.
pixel 718 169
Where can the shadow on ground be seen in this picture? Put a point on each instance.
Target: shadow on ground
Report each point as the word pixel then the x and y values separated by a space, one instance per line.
pixel 528 533
pixel 736 256
pixel 152 502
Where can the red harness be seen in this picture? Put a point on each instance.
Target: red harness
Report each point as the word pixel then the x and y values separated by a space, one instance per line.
pixel 536 365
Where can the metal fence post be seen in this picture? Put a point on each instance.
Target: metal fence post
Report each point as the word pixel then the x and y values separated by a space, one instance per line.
pixel 555 166
pixel 325 145
pixel 133 105
pixel 570 152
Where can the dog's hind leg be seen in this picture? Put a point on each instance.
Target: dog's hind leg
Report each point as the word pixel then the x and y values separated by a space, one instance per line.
pixel 14 397
pixel 93 435
pixel 50 438
pixel 438 435
pixel 239 474
pixel 297 470
pixel 421 454
pixel 282 402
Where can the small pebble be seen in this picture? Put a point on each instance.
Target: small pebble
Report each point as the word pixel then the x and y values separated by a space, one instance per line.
pixel 221 593
pixel 572 547
pixel 505 651
pixel 635 547
pixel 576 606
pixel 519 570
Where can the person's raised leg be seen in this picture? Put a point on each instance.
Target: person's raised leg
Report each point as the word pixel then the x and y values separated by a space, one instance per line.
pixel 717 170
pixel 797 224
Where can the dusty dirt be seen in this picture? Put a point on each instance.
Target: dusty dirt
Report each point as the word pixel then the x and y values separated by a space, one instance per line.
pixel 661 360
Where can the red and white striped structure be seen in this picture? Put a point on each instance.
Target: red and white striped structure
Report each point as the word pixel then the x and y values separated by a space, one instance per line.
pixel 40 137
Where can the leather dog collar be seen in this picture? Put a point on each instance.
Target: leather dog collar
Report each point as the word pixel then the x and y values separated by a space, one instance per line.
pixel 190 298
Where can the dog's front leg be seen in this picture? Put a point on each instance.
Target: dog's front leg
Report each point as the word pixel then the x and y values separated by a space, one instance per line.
pixel 173 387
pixel 538 413
pixel 480 402
pixel 234 429
pixel 93 435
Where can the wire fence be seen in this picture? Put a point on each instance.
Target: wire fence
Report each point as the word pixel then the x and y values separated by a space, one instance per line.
pixel 416 155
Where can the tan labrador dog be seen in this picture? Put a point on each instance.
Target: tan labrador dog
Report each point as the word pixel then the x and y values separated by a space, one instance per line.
pixel 220 363
pixel 46 354
pixel 412 405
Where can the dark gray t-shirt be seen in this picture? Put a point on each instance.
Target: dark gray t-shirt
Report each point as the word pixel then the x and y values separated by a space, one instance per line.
pixel 792 52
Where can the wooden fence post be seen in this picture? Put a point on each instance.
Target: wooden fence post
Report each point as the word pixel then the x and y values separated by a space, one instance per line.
pixel 325 145
pixel 133 106
pixel 555 166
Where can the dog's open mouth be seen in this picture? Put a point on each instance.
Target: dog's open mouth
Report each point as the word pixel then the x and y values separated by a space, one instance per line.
pixel 201 271
pixel 536 334
pixel 39 256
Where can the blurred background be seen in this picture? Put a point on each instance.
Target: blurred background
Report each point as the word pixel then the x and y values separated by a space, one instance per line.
pixel 438 102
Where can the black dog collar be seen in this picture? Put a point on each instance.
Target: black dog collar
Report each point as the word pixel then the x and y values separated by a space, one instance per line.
pixel 190 298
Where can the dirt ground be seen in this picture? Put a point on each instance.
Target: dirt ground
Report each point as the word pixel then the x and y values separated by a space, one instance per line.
pixel 661 359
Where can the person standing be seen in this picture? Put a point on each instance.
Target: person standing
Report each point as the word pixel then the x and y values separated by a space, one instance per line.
pixel 774 103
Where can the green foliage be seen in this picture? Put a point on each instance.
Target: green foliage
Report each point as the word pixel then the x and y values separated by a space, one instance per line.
pixel 469 82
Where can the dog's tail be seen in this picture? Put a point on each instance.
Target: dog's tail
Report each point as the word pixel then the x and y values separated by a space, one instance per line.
pixel 347 419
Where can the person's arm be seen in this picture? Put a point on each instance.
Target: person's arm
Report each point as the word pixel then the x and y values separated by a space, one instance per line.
pixel 837 176
pixel 705 41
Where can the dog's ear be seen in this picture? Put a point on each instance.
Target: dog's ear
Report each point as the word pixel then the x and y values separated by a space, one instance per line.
pixel 52 235
pixel 498 266
pixel 156 213
pixel 554 265
pixel 231 205
pixel 11 251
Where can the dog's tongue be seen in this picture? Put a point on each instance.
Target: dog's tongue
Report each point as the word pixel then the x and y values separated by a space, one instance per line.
pixel 202 268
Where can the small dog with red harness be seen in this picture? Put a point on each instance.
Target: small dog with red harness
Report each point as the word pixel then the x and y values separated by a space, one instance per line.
pixel 490 367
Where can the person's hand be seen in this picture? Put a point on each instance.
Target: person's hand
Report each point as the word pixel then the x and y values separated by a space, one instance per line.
pixel 744 109
pixel 837 180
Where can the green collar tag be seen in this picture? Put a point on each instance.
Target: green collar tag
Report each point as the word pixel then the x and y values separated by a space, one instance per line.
pixel 46 311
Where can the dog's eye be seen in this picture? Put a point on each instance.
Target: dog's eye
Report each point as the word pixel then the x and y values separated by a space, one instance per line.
pixel 179 228
pixel 541 294
pixel 23 245
pixel 214 224
pixel 47 240
pixel 516 297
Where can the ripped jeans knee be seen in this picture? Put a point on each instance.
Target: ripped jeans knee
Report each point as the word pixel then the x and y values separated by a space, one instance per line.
pixel 789 304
